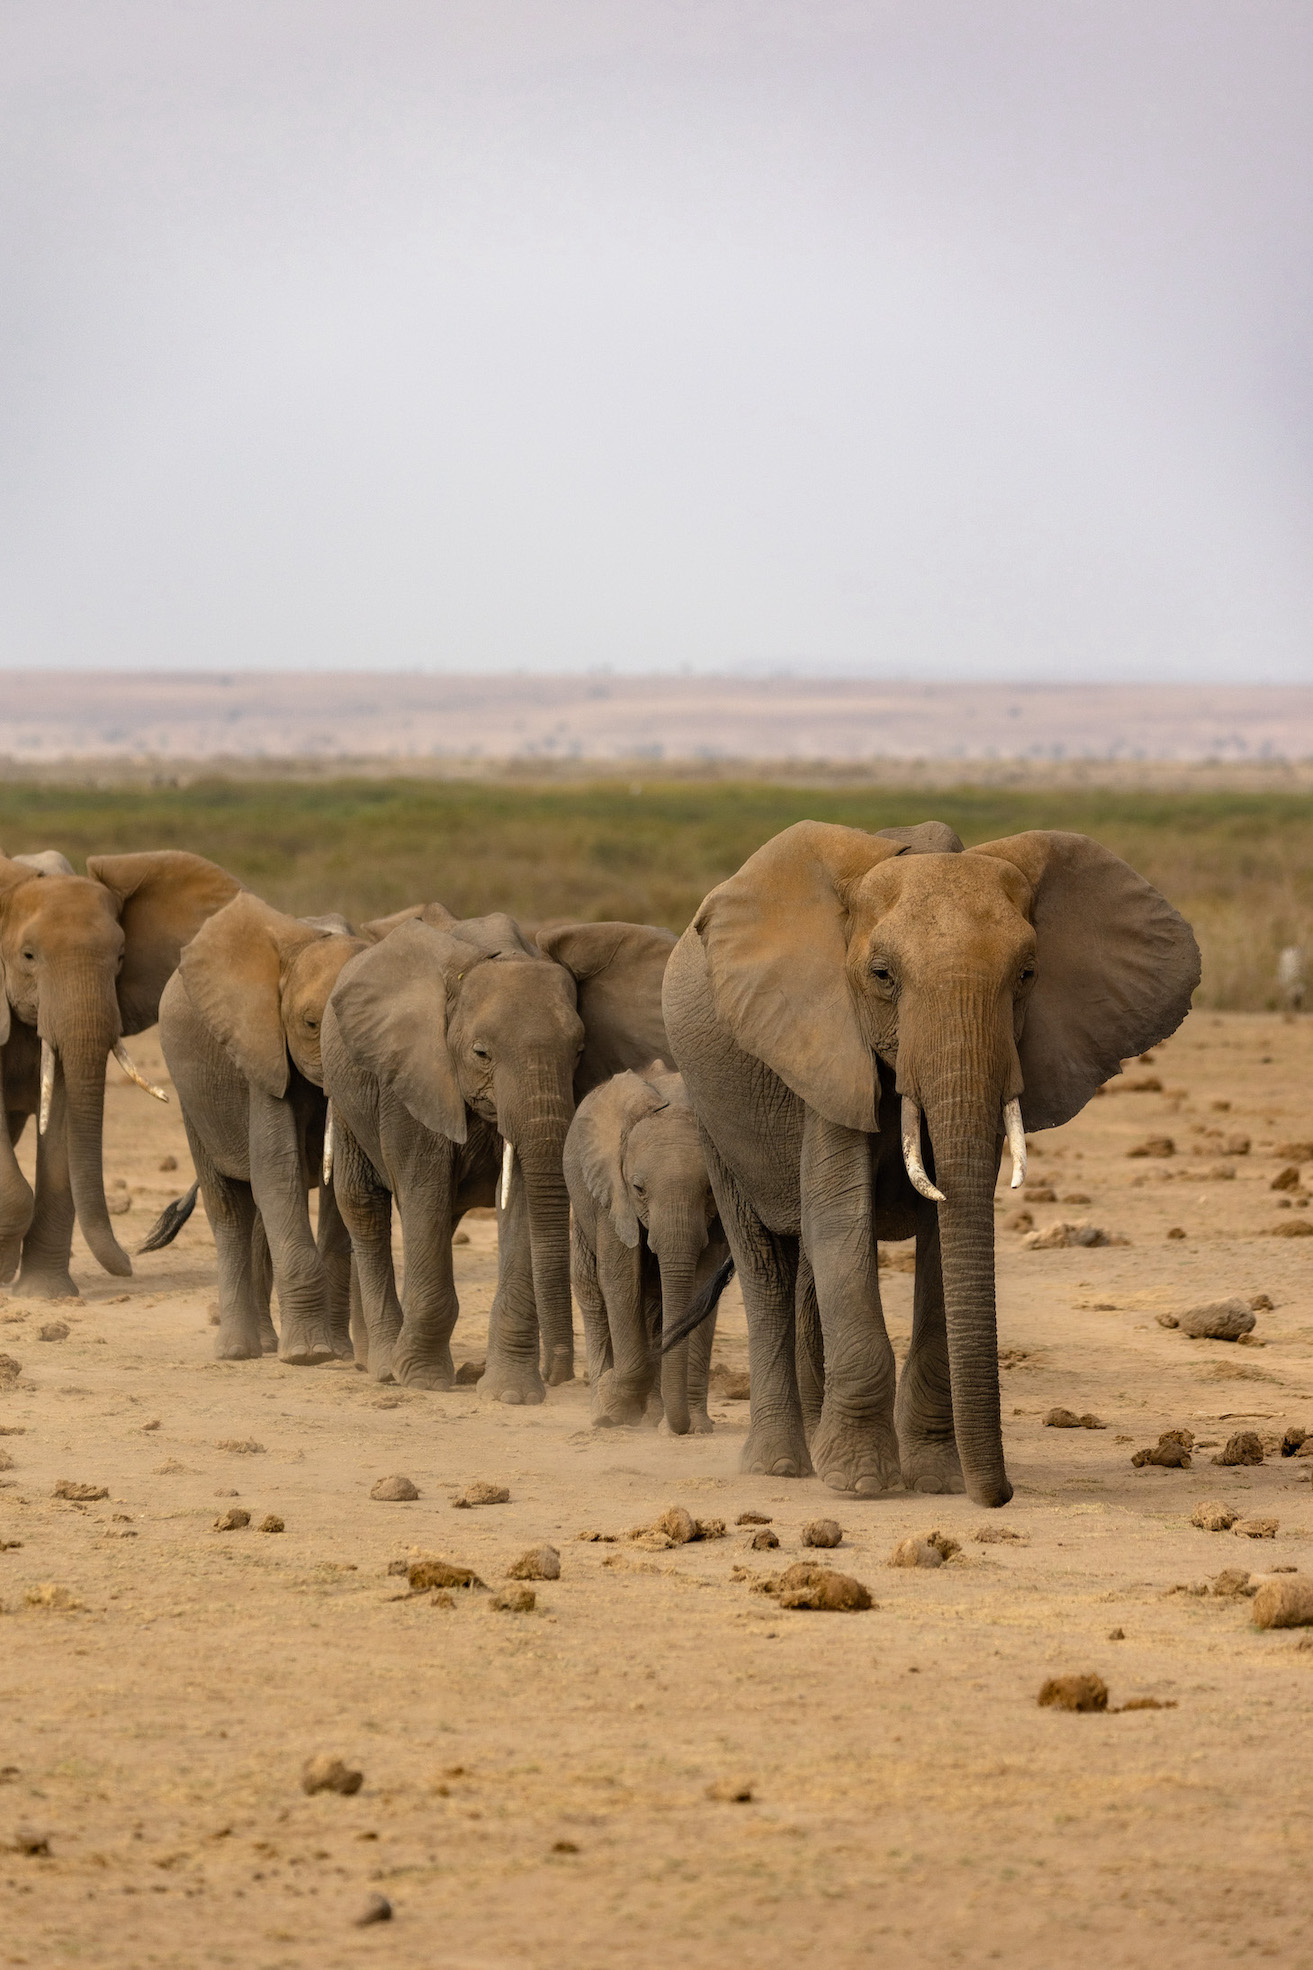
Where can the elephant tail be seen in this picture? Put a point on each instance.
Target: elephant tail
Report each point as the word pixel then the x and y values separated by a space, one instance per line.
pixel 170 1222
pixel 702 1305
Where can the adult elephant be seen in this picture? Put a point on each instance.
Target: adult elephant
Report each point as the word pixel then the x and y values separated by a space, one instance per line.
pixel 860 1020
pixel 83 960
pixel 240 1026
pixel 455 1051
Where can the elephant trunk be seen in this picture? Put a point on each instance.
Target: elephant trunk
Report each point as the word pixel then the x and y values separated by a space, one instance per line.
pixel 678 1275
pixel 535 1121
pixel 82 1025
pixel 960 1078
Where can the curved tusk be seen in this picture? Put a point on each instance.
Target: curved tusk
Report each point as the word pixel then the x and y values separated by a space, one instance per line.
pixel 133 1072
pixel 507 1165
pixel 327 1170
pixel 47 1086
pixel 1016 1135
pixel 912 1152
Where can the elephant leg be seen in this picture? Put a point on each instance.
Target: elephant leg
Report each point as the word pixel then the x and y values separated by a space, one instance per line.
pixel 809 1348
pixel 597 1333
pixel 700 1345
pixel 334 1243
pixel 767 1266
pixel 359 1332
pixel 854 1447
pixel 279 1187
pixel 366 1207
pixel 262 1285
pixel 512 1373
pixel 48 1244
pixel 16 1200
pixel 421 1354
pixel 924 1408
pixel 243 1297
pixel 634 1377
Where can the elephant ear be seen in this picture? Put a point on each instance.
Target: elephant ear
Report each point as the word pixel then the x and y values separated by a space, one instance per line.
pixel 495 936
pixel 776 941
pixel 233 970
pixel 48 862
pixel 617 969
pixel 161 899
pixel 380 927
pixel 1114 970
pixel 926 838
pixel 600 1130
pixel 390 1004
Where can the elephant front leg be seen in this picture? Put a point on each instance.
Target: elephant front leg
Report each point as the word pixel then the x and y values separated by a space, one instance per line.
pixel 854 1447
pixel 623 1399
pixel 238 1239
pixel 512 1373
pixel 262 1286
pixel 924 1410
pixel 366 1207
pixel 16 1200
pixel 334 1243
pixel 421 1353
pixel 48 1244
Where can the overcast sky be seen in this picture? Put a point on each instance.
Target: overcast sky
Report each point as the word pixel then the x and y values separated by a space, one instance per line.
pixel 824 335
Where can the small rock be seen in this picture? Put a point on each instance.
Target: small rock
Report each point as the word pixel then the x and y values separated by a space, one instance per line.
pixel 235 1519
pixel 1245 1447
pixel 54 1330
pixel 428 1571
pixel 1167 1319
pixel 1292 1441
pixel 1212 1516
pixel 822 1532
pixel 81 1494
pixel 1062 1419
pixel 168 1163
pixel 1285 1603
pixel 754 1518
pixel 27 1840
pixel 1257 1528
pixel 329 1774
pixel 272 1523
pixel 915 1552
pixel 377 1908
pixel 539 1563
pixel 1232 1582
pixel 817 1588
pixel 1218 1320
pixel 118 1203
pixel 469 1372
pixel 482 1493
pixel 1287 1179
pixel 460 1237
pixel 991 1534
pixel 763 1540
pixel 1154 1145
pixel 514 1600
pixel 730 1791
pixel 1175 1232
pixel 212 1313
pixel 395 1490
pixel 1088 1692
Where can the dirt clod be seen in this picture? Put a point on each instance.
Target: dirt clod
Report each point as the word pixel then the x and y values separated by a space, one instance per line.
pixel 1231 1582
pixel 1293 1440
pixel 1148 1703
pixel 915 1552
pixel 54 1330
pixel 1062 1419
pixel 241 1446
pixel 468 1373
pixel 1292 1228
pixel 1210 1515
pixel 1245 1447
pixel 325 1773
pixel 167 1163
pixel 80 1494
pixel 272 1523
pixel 514 1600
pixel 29 1840
pixel 50 1594
pixel 427 1571
pixel 763 1540
pixel 395 1490
pixel 1218 1320
pixel 754 1518
pixel 1171 1452
pixel 1088 1692
pixel 377 1908
pixel 817 1587
pixel 1287 1179
pixel 730 1791
pixel 1284 1603
pixel 1154 1146
pixel 991 1534
pixel 1064 1233
pixel 482 1493
pixel 1257 1528
pixel 822 1532
pixel 235 1519
pixel 10 1370
pixel 539 1563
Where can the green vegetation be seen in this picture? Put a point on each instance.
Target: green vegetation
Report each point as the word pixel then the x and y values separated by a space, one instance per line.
pixel 1239 865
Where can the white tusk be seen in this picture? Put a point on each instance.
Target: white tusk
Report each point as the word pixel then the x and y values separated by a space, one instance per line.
pixel 328 1145
pixel 912 1152
pixel 133 1072
pixel 507 1165
pixel 47 1086
pixel 1016 1135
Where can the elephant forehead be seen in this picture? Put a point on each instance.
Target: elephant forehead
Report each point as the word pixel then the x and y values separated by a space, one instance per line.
pixel 929 892
pixel 520 988
pixel 315 971
pixel 65 910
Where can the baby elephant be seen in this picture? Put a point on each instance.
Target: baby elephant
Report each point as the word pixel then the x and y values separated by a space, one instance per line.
pixel 645 1240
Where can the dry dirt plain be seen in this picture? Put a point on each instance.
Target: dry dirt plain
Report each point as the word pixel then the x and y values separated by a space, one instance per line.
pixel 536 1786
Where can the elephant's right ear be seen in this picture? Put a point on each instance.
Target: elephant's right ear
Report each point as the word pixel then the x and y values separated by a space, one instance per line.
pixel 162 898
pixel 598 1133
pixel 11 874
pixel 776 940
pixel 232 969
pixel 617 969
pixel 390 1004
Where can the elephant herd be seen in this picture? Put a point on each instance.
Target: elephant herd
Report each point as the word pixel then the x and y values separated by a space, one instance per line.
pixel 837 1050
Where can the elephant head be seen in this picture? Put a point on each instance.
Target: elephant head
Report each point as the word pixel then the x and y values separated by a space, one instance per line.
pixel 642 1161
pixel 260 981
pixel 1021 972
pixel 617 969
pixel 83 960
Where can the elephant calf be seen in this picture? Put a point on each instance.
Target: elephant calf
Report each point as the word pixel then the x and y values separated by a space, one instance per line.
pixel 645 1239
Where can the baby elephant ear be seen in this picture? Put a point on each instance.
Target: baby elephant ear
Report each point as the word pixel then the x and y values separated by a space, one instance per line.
pixel 233 969
pixel 597 1135
pixel 1115 968
pixel 617 969
pixel 390 1004
pixel 776 939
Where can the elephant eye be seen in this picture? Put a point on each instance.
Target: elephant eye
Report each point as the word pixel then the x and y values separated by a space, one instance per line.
pixel 311 1022
pixel 480 1051
pixel 640 1189
pixel 30 956
pixel 880 970
pixel 1027 973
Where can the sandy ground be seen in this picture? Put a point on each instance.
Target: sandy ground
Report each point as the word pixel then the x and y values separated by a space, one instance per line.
pixel 536 1786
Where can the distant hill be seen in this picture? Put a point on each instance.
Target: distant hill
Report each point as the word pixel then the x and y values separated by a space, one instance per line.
pixel 363 716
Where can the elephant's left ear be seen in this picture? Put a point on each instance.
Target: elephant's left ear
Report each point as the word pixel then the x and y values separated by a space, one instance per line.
pixel 1114 971
pixel 598 1134
pixel 233 970
pixel 617 969
pixel 162 898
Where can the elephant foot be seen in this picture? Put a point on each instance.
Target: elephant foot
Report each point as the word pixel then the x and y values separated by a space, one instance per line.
pixel 616 1408
pixel 860 1458
pixel 303 1347
pixel 511 1378
pixel 931 1465
pixel 34 1285
pixel 776 1449
pixel 237 1346
pixel 558 1365
pixel 699 1423
pixel 990 1492
pixel 417 1368
pixel 11 1251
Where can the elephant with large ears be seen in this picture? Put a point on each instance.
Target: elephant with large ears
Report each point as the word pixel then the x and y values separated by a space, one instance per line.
pixel 454 1053
pixel 645 1239
pixel 861 1020
pixel 83 961
pixel 240 1026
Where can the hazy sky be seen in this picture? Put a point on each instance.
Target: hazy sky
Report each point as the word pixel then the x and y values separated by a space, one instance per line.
pixel 830 335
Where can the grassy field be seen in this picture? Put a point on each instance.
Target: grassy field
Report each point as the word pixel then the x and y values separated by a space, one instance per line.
pixel 1239 865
